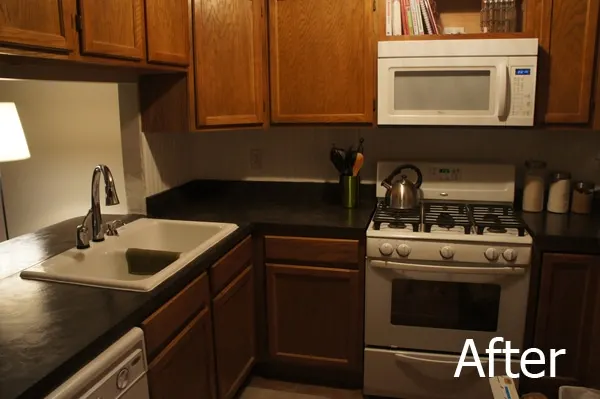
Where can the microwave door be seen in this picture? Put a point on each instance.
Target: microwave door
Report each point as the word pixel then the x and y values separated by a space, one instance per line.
pixel 443 91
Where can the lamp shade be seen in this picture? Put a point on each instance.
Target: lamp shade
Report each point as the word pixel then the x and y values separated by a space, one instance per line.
pixel 13 145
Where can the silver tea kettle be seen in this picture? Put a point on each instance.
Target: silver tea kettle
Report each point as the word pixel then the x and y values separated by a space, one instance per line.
pixel 403 194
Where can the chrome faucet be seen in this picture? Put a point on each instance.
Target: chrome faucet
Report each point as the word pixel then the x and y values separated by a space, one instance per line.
pixel 83 240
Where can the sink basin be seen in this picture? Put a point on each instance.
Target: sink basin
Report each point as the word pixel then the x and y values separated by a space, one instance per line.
pixel 144 254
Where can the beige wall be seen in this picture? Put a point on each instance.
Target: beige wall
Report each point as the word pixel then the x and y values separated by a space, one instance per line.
pixel 70 127
pixel 303 153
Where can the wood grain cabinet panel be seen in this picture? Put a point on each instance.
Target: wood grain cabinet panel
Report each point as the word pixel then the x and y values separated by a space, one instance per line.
pixel 235 336
pixel 314 316
pixel 43 24
pixel 113 28
pixel 321 61
pixel 228 61
pixel 185 368
pixel 567 30
pixel 167 30
pixel 568 318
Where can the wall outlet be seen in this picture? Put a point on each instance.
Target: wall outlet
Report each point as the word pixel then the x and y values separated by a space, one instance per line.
pixel 256 159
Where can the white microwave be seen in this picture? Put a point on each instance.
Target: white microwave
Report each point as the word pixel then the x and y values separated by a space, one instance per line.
pixel 482 82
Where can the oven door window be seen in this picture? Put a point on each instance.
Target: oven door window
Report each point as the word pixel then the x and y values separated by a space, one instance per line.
pixel 446 305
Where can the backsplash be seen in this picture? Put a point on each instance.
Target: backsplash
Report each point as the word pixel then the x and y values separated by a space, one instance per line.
pixel 302 154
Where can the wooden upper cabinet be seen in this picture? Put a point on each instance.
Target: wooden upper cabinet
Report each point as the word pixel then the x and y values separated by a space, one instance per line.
pixel 113 28
pixel 229 37
pixel 568 317
pixel 44 24
pixel 168 31
pixel 321 58
pixel 567 30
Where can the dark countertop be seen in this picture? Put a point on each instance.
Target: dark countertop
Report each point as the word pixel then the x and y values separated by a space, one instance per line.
pixel 570 233
pixel 50 330
pixel 307 209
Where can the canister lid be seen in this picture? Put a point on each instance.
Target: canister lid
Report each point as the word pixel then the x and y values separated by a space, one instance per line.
pixel 585 186
pixel 560 175
pixel 535 164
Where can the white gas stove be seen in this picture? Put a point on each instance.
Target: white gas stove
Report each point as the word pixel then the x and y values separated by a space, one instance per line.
pixel 466 215
pixel 455 268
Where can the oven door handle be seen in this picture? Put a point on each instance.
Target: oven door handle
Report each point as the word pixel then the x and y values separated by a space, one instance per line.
pixel 414 359
pixel 447 269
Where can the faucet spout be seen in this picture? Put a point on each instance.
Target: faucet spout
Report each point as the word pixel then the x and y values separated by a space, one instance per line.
pixel 111 199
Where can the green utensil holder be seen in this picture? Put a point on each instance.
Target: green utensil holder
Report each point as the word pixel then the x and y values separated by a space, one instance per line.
pixel 349 186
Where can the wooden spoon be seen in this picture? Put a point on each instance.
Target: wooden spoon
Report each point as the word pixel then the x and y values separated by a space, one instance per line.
pixel 358 164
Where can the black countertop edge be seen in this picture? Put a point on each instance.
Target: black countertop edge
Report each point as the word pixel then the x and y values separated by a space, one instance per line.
pixel 35 359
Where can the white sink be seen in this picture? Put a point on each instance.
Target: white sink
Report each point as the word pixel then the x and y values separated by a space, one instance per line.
pixel 105 264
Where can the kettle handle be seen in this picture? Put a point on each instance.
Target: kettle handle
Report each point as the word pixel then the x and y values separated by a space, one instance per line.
pixel 387 182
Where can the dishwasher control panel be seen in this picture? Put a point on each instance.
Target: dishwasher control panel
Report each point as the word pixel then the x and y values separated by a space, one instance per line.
pixel 118 372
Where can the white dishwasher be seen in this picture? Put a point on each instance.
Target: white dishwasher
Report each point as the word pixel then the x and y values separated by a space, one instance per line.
pixel 118 372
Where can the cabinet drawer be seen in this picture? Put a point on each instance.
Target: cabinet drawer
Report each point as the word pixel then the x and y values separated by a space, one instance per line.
pixel 311 250
pixel 167 321
pixel 230 265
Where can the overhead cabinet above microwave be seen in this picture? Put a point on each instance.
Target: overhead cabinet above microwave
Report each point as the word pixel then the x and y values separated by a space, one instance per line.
pixel 487 82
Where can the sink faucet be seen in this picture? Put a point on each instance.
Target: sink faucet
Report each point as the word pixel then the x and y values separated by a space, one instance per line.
pixel 83 240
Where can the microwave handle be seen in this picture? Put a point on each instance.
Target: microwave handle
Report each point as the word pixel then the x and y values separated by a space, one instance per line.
pixel 501 85
pixel 447 269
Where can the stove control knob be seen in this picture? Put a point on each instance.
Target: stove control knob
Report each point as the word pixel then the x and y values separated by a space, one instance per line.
pixel 403 250
pixel 510 255
pixel 491 254
pixel 447 252
pixel 386 249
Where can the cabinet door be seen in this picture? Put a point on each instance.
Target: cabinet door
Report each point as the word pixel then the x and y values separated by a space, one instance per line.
pixel 113 28
pixel 45 24
pixel 314 316
pixel 567 30
pixel 235 337
pixel 185 368
pixel 567 307
pixel 321 61
pixel 168 31
pixel 229 58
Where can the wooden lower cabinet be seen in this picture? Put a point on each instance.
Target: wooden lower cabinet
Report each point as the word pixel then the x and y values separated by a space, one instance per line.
pixel 185 368
pixel 314 316
pixel 235 337
pixel 568 317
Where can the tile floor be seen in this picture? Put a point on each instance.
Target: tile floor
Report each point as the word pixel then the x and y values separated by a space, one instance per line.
pixel 262 388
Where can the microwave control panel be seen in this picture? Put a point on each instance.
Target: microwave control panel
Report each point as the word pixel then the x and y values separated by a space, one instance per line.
pixel 522 91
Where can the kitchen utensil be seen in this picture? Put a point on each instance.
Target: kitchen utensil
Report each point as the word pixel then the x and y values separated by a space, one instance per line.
pixel 350 160
pixel 337 157
pixel 358 164
pixel 403 194
pixel 360 146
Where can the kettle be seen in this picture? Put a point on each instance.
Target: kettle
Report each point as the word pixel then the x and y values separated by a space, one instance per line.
pixel 403 194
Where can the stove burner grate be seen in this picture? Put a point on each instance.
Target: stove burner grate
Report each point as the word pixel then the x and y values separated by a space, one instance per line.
pixel 446 216
pixel 496 219
pixel 396 218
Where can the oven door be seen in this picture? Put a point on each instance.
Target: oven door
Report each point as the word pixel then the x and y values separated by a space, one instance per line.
pixel 443 91
pixel 438 307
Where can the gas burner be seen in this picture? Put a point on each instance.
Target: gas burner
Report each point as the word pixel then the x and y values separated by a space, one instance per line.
pixel 496 219
pixel 497 230
pixel 446 217
pixel 445 220
pixel 397 225
pixel 396 218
